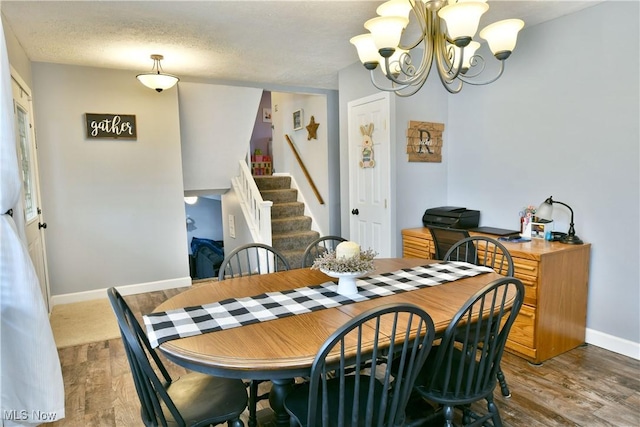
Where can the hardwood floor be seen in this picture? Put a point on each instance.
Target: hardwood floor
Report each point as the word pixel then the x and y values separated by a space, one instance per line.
pixel 587 386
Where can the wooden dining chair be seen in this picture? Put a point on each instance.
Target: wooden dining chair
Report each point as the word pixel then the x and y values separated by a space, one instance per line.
pixel 488 252
pixel 252 258
pixel 462 368
pixel 482 250
pixel 193 400
pixel 343 388
pixel 319 247
pixel 247 260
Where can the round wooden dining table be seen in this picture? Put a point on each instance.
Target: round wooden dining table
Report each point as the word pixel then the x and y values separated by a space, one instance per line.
pixel 280 350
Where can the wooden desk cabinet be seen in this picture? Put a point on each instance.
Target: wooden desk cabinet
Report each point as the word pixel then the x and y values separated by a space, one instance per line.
pixel 552 319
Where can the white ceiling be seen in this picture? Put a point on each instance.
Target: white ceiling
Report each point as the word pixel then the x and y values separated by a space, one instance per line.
pixel 291 43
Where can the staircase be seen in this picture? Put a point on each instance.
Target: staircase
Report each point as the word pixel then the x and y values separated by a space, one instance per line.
pixel 290 229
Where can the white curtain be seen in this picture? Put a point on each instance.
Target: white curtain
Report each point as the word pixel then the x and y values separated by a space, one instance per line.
pixel 31 387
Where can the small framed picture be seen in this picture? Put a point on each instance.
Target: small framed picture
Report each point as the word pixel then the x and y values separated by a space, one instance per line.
pixel 297 120
pixel 266 115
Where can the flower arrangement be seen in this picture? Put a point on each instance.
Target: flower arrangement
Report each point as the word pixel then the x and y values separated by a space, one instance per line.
pixel 356 264
pixel 527 216
pixel 528 212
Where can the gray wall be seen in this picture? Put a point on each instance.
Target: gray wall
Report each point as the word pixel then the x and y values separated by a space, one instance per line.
pixel 539 132
pixel 562 121
pixel 418 185
pixel 114 208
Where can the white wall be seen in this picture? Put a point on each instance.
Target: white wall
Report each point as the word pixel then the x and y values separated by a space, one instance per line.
pixel 231 205
pixel 114 208
pixel 562 121
pixel 17 57
pixel 216 123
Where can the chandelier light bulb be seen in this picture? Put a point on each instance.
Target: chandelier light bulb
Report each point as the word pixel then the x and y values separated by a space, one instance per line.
pixel 502 36
pixel 395 8
pixel 386 32
pixel 394 63
pixel 468 51
pixel 367 50
pixel 463 19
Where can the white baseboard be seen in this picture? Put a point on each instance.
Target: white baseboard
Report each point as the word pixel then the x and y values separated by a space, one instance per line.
pixel 124 290
pixel 613 343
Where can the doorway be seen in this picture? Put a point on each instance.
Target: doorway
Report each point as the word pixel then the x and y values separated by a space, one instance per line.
pixel 204 236
pixel 261 145
pixel 28 161
pixel 370 154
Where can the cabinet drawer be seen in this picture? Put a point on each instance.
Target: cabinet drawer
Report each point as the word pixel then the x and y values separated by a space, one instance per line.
pixel 523 329
pixel 415 246
pixel 530 290
pixel 525 267
pixel 417 242
pixel 527 271
pixel 409 252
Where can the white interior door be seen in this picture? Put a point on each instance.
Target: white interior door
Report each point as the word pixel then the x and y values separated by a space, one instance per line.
pixel 369 173
pixel 26 147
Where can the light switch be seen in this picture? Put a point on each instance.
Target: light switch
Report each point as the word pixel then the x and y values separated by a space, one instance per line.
pixel 232 226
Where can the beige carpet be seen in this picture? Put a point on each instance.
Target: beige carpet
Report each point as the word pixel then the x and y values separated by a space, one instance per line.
pixel 83 322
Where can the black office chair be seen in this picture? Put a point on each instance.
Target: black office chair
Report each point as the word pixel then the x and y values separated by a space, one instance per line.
pixel 342 389
pixel 194 399
pixel 247 260
pixel 319 247
pixel 250 259
pixel 445 238
pixel 488 252
pixel 463 367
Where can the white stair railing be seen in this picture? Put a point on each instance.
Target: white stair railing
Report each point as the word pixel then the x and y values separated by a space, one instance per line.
pixel 256 210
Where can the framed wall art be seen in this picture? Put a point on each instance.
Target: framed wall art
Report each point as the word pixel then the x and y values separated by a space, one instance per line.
pixel 266 115
pixel 424 142
pixel 111 126
pixel 297 120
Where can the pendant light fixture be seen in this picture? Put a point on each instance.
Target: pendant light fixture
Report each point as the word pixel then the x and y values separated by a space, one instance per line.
pixel 157 79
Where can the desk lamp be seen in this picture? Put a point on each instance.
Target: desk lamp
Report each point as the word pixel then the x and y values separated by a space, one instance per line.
pixel 546 209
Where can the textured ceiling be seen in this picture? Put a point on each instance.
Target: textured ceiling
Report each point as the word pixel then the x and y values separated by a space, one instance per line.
pixel 292 43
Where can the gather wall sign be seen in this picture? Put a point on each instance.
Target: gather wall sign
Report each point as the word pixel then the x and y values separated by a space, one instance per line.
pixel 113 126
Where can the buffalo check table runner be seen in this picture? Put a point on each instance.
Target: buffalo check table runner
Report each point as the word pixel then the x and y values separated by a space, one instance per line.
pixel 235 312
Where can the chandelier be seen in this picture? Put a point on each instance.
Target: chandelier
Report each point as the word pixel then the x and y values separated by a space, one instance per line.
pixel 443 34
pixel 157 79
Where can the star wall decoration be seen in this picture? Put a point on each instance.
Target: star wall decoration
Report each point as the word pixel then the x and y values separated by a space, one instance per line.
pixel 312 129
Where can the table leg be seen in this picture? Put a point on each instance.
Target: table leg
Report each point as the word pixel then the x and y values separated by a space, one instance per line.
pixel 279 389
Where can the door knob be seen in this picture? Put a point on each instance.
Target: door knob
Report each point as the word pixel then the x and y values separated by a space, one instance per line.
pixel 42 225
pixel 355 212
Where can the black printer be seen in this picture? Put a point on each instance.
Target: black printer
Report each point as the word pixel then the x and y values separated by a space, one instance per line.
pixel 451 217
